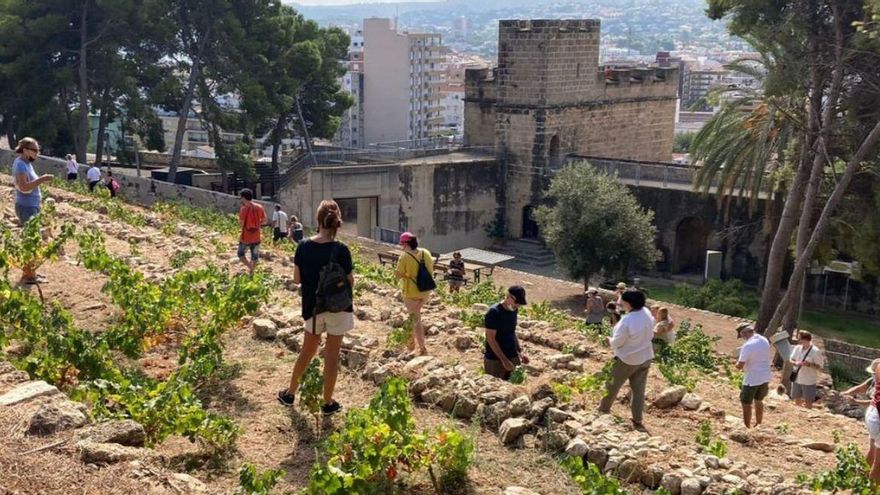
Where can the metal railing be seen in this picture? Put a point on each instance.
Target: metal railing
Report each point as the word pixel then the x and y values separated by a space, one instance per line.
pixel 655 174
pixel 639 172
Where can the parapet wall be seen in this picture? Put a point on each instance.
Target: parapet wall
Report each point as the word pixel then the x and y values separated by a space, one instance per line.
pixel 143 190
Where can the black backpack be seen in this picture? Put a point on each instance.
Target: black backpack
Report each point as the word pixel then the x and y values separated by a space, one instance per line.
pixel 424 279
pixel 334 293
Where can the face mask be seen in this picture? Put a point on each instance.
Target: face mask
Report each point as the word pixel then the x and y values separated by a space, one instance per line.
pixel 31 159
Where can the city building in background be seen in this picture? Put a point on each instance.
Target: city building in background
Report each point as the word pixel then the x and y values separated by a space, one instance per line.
pixel 351 130
pixel 403 75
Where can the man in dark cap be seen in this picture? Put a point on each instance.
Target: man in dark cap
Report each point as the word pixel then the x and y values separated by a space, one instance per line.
pixel 503 352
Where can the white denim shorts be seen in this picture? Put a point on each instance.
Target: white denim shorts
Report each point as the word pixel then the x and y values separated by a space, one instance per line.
pixel 872 421
pixel 330 323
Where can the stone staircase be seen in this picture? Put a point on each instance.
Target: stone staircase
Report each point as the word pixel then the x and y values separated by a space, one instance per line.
pixel 531 256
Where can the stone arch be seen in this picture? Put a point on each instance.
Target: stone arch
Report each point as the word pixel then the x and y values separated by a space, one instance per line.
pixel 691 237
pixel 529 225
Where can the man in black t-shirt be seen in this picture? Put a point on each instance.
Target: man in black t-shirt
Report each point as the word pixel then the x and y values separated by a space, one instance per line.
pixel 503 352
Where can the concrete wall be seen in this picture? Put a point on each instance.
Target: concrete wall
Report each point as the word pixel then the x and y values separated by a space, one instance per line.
pixel 854 358
pixel 448 205
pixel 142 190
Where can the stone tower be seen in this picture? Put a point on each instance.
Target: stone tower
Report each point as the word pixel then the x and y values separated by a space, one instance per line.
pixel 548 98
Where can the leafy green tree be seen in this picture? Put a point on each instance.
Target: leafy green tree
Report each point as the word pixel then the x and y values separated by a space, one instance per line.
pixel 291 85
pixel 593 223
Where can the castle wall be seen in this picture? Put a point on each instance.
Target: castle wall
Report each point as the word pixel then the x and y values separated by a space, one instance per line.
pixel 548 98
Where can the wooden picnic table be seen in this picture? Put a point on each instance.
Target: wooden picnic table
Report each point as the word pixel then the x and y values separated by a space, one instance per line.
pixel 479 261
pixel 475 268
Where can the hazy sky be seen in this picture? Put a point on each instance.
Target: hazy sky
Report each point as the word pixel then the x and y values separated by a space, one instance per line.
pixel 345 2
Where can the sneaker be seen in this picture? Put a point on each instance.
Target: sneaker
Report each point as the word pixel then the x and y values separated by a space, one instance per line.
pixel 330 409
pixel 285 398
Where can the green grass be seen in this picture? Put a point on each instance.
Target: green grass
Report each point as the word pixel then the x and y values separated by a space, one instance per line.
pixel 848 327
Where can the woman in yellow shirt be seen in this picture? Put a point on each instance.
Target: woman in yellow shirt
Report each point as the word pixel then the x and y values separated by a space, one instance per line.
pixel 413 298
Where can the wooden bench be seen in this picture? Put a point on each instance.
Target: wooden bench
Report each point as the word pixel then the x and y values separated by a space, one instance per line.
pixel 388 259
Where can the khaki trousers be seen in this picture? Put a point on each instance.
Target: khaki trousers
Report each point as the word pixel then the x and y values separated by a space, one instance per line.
pixel 638 382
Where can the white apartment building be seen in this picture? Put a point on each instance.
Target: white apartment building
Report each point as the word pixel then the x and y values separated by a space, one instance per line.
pixel 351 129
pixel 403 73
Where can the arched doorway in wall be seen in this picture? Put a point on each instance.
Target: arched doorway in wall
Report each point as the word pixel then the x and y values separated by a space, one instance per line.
pixel 553 155
pixel 690 246
pixel 530 226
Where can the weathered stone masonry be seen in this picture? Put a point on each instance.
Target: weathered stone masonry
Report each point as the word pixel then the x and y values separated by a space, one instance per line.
pixel 548 98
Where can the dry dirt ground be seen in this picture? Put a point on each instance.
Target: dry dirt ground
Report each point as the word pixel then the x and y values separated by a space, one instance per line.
pixel 275 437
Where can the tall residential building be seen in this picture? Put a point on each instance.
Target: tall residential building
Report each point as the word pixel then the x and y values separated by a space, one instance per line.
pixel 351 129
pixel 696 85
pixel 402 77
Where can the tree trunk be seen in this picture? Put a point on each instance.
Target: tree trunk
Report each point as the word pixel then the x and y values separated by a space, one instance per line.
pixel 819 146
pixel 103 117
pixel 770 294
pixel 82 132
pixel 779 248
pixel 194 76
pixel 277 134
pixel 825 221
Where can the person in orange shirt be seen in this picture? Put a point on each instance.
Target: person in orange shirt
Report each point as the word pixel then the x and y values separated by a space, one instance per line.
pixel 251 217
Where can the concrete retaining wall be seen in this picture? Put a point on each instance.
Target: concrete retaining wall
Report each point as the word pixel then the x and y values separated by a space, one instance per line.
pixel 143 190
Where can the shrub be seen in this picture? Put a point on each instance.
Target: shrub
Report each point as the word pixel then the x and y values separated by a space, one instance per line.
pixel 252 482
pixel 726 297
pixel 850 474
pixel 590 478
pixel 375 444
pixel 690 355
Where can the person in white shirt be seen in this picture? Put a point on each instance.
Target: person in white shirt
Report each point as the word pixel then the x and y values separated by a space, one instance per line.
pixel 279 223
pixel 72 168
pixel 807 360
pixel 633 352
pixel 93 175
pixel 755 359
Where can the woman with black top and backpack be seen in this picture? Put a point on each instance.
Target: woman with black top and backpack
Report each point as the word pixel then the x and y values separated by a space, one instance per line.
pixel 323 267
pixel 415 270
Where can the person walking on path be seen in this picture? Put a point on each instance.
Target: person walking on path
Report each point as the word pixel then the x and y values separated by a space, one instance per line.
pixel 28 199
pixel 595 308
pixel 413 266
pixel 112 184
pixel 871 389
pixel 807 360
pixel 633 352
pixel 72 169
pixel 322 262
pixel 755 359
pixel 456 273
pixel 279 224
pixel 503 353
pixel 93 176
pixel 251 217
pixel 296 229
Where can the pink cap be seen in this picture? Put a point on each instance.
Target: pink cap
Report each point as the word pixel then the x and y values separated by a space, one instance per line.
pixel 406 237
